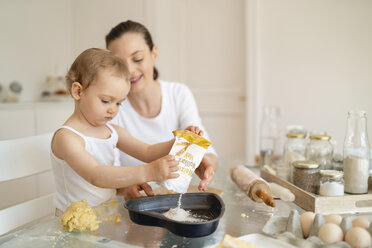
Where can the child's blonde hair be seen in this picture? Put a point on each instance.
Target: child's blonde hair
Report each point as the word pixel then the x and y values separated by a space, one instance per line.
pixel 88 64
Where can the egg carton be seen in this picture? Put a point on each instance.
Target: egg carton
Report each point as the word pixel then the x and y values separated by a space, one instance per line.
pixel 289 230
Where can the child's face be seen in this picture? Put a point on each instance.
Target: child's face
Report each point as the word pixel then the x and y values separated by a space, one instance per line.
pixel 99 103
pixel 132 48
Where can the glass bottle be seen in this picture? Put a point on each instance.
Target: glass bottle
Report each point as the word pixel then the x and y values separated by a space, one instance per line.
pixel 294 149
pixel 269 135
pixel 320 150
pixel 356 153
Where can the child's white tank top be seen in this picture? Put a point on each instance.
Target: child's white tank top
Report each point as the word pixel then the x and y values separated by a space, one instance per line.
pixel 70 186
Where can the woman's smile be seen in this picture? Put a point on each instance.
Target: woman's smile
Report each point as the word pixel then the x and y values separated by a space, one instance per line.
pixel 134 80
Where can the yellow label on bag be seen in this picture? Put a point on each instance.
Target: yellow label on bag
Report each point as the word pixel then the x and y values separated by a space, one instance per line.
pixel 193 138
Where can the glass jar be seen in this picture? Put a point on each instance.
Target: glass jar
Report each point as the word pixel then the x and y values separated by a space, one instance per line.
pixel 320 150
pixel 13 92
pixel 294 149
pixel 356 153
pixel 269 135
pixel 48 87
pixel 60 86
pixel 331 183
pixel 306 175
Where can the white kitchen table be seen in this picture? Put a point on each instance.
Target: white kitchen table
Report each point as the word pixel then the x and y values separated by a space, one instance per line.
pixel 241 217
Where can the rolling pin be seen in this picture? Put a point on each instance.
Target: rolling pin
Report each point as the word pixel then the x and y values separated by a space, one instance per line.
pixel 251 184
pixel 281 192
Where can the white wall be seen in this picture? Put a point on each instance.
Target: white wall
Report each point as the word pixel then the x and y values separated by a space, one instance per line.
pixel 93 19
pixel 313 59
pixel 36 41
pixel 201 43
pixel 43 37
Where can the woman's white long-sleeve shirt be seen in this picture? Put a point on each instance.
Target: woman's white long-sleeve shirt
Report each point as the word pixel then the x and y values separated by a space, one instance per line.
pixel 178 111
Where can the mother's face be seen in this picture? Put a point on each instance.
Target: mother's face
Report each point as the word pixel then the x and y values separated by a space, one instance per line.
pixel 132 48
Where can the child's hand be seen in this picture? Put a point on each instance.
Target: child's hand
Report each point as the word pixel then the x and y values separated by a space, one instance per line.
pixel 195 130
pixel 162 168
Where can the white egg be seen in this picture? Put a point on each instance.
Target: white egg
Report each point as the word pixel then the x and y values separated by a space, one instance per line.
pixel 306 220
pixel 330 233
pixel 358 237
pixel 333 218
pixel 361 223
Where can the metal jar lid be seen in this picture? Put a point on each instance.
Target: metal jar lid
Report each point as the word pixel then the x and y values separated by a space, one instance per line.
pixel 305 164
pixel 331 173
pixel 296 135
pixel 320 137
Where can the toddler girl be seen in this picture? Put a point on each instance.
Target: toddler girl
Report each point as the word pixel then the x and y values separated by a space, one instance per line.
pixel 84 150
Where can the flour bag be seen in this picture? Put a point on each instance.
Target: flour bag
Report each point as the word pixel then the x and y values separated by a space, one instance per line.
pixel 189 149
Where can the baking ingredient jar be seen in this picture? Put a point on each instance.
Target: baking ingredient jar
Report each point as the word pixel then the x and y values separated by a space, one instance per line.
pixel 320 150
pixel 294 149
pixel 269 135
pixel 331 183
pixel 356 153
pixel 306 175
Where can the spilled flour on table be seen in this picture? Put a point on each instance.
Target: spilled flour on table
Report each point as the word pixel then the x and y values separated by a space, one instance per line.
pixel 180 214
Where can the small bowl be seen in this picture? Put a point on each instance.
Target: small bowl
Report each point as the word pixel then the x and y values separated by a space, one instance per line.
pixel 149 211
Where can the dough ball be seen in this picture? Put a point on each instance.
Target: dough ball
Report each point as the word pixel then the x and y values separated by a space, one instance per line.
pixel 361 223
pixel 306 220
pixel 333 218
pixel 80 216
pixel 358 237
pixel 330 233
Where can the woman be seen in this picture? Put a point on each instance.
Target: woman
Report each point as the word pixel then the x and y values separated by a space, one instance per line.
pixel 153 107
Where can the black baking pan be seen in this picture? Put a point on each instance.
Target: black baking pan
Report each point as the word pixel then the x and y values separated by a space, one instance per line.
pixel 148 211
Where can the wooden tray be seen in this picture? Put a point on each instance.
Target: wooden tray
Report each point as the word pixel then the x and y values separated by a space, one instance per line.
pixel 324 204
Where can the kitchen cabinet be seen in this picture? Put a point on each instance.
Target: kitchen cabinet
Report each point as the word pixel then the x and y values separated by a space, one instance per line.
pixel 24 119
pixel 16 123
pixel 31 118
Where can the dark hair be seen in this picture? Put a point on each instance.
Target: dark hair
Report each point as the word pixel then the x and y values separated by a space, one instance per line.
pixel 134 27
pixel 89 63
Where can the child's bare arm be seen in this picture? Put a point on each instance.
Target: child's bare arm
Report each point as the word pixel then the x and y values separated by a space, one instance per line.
pixel 71 148
pixel 145 152
pixel 140 150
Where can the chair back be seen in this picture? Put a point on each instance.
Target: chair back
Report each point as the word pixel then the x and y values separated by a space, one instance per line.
pixel 25 172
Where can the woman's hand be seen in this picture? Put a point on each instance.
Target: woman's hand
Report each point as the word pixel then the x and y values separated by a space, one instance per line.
pixel 134 191
pixel 206 170
pixel 195 130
